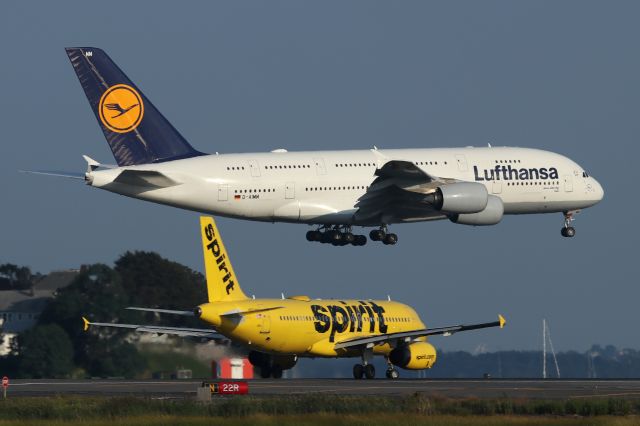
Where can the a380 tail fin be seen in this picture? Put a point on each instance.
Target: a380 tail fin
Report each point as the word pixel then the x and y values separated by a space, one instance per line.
pixel 222 283
pixel 135 130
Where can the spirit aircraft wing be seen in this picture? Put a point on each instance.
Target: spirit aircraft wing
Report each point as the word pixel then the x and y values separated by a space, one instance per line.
pixel 205 333
pixel 408 335
pixel 401 190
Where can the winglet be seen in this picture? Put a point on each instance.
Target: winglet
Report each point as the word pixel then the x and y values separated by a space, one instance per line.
pixel 501 320
pixel 86 324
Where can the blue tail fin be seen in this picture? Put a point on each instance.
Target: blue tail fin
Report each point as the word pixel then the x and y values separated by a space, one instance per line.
pixel 135 130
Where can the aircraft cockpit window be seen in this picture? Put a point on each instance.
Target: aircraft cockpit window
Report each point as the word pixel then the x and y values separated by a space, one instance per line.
pixel 585 174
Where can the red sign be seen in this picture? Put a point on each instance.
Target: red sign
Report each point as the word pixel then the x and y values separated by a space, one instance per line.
pixel 229 388
pixel 5 382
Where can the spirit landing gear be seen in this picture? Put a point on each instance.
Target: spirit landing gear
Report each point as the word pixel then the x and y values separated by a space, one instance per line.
pixel 382 235
pixel 568 230
pixel 391 372
pixel 337 236
pixel 367 370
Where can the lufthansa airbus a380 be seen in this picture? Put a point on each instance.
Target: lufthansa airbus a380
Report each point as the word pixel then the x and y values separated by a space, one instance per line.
pixel 276 332
pixel 333 190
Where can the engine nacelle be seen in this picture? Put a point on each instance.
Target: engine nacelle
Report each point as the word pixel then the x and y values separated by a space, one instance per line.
pixel 491 215
pixel 260 359
pixel 461 197
pixel 414 356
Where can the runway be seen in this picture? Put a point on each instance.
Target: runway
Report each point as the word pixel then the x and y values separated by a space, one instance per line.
pixel 491 388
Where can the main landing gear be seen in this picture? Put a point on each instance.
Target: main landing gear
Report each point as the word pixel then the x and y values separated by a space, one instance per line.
pixel 341 235
pixel 568 230
pixel 368 371
pixel 381 234
pixel 337 236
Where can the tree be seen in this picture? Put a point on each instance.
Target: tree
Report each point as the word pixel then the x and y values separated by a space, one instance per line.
pixel 45 351
pixel 153 281
pixel 14 277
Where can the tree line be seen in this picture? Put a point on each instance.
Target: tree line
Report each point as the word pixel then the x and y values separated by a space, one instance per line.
pixel 58 347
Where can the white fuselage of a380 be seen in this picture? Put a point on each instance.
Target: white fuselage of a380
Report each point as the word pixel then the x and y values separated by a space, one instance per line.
pixel 376 187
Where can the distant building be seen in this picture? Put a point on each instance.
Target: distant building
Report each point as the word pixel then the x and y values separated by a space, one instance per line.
pixel 20 309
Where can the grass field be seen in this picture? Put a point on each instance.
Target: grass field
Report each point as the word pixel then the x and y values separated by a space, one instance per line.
pixel 317 409
pixel 340 420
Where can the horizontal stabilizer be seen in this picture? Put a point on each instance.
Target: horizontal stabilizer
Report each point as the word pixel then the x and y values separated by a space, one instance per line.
pixel 203 333
pixel 145 178
pixel 163 311
pixel 70 175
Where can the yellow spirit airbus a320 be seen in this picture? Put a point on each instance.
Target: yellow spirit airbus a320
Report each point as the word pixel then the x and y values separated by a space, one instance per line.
pixel 276 332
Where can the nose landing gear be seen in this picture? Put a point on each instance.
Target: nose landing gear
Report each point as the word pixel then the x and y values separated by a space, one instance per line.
pixel 391 372
pixel 568 230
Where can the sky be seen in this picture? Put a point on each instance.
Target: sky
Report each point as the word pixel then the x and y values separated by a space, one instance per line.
pixel 254 76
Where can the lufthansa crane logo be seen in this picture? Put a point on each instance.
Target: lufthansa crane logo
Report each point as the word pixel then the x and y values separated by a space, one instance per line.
pixel 121 108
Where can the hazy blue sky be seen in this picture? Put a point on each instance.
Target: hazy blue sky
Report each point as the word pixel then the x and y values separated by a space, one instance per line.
pixel 254 76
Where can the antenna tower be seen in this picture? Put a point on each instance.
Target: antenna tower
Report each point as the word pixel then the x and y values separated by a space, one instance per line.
pixel 546 336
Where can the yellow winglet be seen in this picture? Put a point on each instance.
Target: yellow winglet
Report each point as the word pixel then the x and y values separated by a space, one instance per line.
pixel 501 320
pixel 86 324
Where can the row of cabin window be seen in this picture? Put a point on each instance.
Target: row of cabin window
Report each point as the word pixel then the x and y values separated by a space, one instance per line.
pixel 335 188
pixel 327 318
pixel 354 165
pixel 532 183
pixel 288 166
pixel 253 191
pixel 507 161
pixel 427 163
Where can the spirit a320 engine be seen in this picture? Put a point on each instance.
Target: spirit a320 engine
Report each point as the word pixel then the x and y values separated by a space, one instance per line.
pixel 414 356
pixel 272 365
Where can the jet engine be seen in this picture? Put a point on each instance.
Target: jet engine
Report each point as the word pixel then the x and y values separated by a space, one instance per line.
pixel 414 356
pixel 461 197
pixel 272 365
pixel 491 215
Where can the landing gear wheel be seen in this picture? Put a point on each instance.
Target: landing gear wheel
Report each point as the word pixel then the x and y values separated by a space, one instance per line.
pixel 390 239
pixel 377 235
pixel 348 237
pixel 314 235
pixel 358 371
pixel 265 371
pixel 369 371
pixel 359 240
pixel 392 373
pixel 276 372
pixel 568 232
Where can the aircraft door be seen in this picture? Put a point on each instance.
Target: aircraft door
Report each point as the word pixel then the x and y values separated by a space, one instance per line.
pixel 255 168
pixel 568 183
pixel 496 187
pixel 462 162
pixel 290 190
pixel 320 167
pixel 223 192
pixel 265 324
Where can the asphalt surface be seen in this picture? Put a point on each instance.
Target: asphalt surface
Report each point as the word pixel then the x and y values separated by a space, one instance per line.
pixel 492 388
